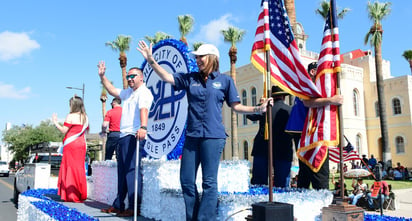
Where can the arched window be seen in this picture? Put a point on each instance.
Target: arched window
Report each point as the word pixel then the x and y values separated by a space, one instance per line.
pixel 244 102
pixel 400 144
pixel 358 143
pixel 377 109
pixel 254 100
pixel 396 106
pixel 246 150
pixel 355 102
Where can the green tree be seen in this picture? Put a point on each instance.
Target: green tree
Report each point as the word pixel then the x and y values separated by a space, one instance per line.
pixel 19 138
pixel 376 12
pixel 196 45
pixel 121 44
pixel 408 56
pixel 324 8
pixel 158 37
pixel 185 26
pixel 233 35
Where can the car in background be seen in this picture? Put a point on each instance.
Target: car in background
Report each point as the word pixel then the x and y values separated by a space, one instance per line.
pixel 4 168
pixel 40 170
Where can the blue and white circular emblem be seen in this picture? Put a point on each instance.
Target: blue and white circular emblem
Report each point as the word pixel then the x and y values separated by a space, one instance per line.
pixel 168 113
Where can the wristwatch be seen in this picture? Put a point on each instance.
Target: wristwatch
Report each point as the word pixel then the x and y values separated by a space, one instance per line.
pixel 143 127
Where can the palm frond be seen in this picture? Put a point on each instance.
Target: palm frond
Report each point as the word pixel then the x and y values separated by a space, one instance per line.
pixel 407 55
pixel 233 35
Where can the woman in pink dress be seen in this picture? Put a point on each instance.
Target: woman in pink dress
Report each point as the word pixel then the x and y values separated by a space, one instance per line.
pixel 72 184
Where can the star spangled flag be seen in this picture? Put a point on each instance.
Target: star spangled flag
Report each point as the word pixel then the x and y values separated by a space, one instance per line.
pixel 321 127
pixel 274 36
pixel 347 156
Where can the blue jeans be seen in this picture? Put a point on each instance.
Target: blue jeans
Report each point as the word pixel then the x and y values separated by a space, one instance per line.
pixel 207 152
pixel 126 175
pixel 112 144
pixel 370 200
pixel 355 198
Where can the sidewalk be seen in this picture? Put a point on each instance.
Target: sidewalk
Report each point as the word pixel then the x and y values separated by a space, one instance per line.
pixel 403 204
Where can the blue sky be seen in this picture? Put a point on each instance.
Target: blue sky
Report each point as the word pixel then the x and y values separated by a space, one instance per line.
pixel 48 45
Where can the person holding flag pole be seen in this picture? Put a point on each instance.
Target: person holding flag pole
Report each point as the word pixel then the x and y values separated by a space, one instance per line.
pixel 276 53
pixel 205 139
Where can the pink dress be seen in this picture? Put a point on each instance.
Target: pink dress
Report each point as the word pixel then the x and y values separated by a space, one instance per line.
pixel 72 184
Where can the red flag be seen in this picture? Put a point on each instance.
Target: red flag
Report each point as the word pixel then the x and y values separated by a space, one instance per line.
pixel 273 35
pixel 321 126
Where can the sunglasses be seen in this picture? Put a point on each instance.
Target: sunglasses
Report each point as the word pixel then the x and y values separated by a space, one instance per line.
pixel 132 76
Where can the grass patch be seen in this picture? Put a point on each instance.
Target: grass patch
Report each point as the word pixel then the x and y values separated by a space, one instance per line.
pixel 396 184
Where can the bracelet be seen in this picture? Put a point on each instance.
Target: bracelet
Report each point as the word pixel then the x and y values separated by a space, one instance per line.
pixel 143 127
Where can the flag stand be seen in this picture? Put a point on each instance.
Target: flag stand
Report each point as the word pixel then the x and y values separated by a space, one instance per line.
pixel 269 210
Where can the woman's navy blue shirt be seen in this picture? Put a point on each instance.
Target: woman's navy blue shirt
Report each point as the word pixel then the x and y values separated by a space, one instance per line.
pixel 205 101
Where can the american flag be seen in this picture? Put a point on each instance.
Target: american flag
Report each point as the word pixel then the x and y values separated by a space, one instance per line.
pixel 347 156
pixel 274 36
pixel 321 132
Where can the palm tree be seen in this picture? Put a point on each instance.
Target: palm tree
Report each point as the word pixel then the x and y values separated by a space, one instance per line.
pixel 408 56
pixel 103 99
pixel 196 45
pixel 158 37
pixel 185 26
pixel 121 44
pixel 324 8
pixel 233 35
pixel 290 9
pixel 377 11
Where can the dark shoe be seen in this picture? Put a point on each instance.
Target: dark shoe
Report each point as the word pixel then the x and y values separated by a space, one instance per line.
pixel 110 210
pixel 126 213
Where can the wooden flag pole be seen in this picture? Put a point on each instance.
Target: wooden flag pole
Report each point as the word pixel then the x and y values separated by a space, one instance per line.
pixel 269 127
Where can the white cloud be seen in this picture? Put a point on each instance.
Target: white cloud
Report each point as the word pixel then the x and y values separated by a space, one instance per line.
pixel 211 32
pixel 14 45
pixel 9 91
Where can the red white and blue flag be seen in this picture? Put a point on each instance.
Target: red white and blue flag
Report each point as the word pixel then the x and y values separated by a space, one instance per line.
pixel 346 156
pixel 321 130
pixel 274 36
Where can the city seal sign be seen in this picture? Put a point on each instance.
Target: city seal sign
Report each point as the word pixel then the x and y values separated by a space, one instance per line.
pixel 168 113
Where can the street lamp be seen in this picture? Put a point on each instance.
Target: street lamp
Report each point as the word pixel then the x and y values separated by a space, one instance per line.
pixel 76 88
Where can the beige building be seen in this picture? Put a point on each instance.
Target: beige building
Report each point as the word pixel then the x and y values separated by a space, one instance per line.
pixel 360 113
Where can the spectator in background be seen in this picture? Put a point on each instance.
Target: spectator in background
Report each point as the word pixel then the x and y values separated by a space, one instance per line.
pixel 372 162
pixel 345 167
pixel 400 168
pixel 384 194
pixel 337 190
pixel 397 174
pixel 112 121
pixel 391 175
pixel 364 161
pixel 358 189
